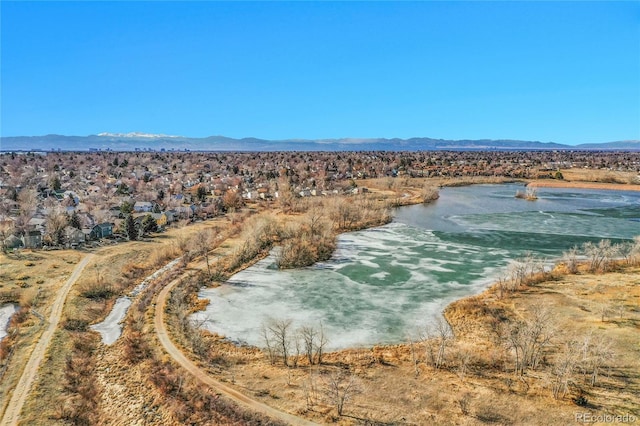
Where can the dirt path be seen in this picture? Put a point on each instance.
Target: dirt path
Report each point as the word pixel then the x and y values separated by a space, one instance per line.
pixel 202 376
pixel 20 393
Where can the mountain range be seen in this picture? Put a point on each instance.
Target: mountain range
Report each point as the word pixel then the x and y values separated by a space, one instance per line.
pixel 137 141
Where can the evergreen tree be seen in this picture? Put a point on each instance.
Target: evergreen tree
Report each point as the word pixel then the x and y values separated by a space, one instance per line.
pixel 149 224
pixel 126 207
pixel 201 193
pixel 54 183
pixel 74 221
pixel 130 228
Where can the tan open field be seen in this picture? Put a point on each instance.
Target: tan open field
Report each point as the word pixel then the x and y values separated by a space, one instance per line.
pixel 474 386
pixel 30 279
pixel 592 179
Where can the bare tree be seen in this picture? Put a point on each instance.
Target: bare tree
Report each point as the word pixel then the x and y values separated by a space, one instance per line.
pixel 562 369
pixel 605 310
pixel 629 251
pixel 529 337
pixel 203 242
pixel 522 269
pixel 268 343
pixel 313 341
pixel 599 354
pixel 320 344
pixel 340 388
pixel 183 244
pixel 344 214
pixel 308 335
pixel 55 224
pixel 6 230
pixel 430 193
pixel 297 346
pixel 27 203
pixel 463 357
pixel 315 219
pixel 599 255
pixel 278 332
pixel 570 259
pixel 311 391
pixel 437 337
pixel 503 286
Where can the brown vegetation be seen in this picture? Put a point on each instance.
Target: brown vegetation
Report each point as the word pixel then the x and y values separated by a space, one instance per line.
pixel 500 357
pixel 313 237
pixel 30 280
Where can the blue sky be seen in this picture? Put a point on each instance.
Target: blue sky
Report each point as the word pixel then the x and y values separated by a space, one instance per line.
pixel 567 72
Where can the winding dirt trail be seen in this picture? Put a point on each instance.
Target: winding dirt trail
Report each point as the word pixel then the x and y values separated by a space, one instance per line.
pixel 21 391
pixel 203 377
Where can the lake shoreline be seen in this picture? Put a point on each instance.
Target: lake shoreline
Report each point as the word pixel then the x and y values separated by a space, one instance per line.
pixel 435 268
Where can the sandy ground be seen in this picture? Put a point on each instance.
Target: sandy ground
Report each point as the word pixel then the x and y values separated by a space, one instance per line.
pixel 35 278
pixel 23 387
pixel 583 185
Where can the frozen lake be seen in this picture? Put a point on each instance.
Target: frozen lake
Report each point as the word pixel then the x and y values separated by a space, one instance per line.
pixel 382 284
pixel 111 328
pixel 5 315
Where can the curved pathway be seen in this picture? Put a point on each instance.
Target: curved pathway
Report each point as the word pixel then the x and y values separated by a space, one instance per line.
pixel 21 391
pixel 202 375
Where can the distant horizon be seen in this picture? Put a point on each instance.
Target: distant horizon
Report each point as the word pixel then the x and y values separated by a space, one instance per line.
pixel 152 135
pixel 567 72
pixel 139 141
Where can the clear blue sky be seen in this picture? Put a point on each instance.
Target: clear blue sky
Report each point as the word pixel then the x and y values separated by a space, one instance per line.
pixel 566 72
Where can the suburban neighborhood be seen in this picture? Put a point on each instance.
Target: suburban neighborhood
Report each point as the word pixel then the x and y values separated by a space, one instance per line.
pixel 67 200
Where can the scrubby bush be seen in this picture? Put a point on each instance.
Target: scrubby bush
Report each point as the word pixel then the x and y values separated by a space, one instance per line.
pixel 80 397
pixel 307 246
pixel 430 193
pixel 75 324
pixel 97 290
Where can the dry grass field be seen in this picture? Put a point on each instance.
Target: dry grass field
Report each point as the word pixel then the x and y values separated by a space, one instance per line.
pixel 593 179
pixel 29 279
pixel 475 384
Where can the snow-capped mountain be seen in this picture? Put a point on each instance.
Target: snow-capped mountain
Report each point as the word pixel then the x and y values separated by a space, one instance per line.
pixel 136 135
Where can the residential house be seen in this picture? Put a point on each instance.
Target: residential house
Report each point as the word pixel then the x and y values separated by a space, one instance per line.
pixel 74 236
pixel 143 206
pixel 183 212
pixel 32 239
pixel 101 230
pixel 13 242
pixel 250 195
pixel 36 224
pixel 164 218
pixel 87 234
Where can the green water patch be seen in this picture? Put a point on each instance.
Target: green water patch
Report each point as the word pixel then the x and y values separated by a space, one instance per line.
pixel 518 243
